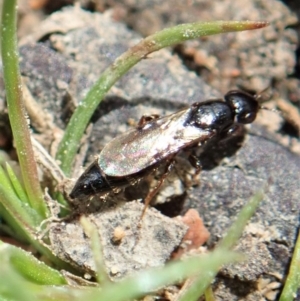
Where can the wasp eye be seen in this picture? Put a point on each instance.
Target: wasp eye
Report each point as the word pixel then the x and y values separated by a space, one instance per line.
pixel 246 117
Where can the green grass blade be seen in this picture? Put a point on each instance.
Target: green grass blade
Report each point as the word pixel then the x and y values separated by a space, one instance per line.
pixel 20 212
pixel 14 284
pixel 16 108
pixel 24 221
pixel 292 283
pixel 128 289
pixel 209 294
pixel 200 283
pixel 17 185
pixel 20 218
pixel 91 231
pixel 29 267
pixel 167 37
pixel 237 228
pixel 151 280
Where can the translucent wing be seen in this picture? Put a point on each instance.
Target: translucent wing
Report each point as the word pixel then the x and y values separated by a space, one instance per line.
pixel 142 147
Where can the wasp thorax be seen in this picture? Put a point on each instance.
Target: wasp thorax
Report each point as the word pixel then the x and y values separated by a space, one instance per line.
pixel 215 115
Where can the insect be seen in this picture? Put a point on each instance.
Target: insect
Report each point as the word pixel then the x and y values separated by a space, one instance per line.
pixel 139 151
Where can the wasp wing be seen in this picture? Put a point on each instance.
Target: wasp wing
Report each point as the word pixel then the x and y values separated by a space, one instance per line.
pixel 142 147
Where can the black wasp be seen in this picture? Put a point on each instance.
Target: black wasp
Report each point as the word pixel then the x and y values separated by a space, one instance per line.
pixel 139 151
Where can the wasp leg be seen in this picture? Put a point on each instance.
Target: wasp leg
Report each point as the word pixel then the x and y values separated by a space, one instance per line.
pixel 196 163
pixel 153 192
pixel 147 118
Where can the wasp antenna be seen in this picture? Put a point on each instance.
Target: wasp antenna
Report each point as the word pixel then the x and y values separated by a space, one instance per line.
pixel 285 116
pixel 292 113
pixel 265 95
pixel 272 110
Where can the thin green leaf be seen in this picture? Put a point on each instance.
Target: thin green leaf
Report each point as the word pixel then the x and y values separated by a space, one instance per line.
pixel 237 228
pixel 16 109
pixel 199 283
pixel 17 185
pixel 209 294
pixel 4 180
pixel 292 283
pixel 167 37
pixel 20 212
pixel 14 229
pixel 13 287
pixel 151 280
pixel 91 231
pixel 22 219
pixel 23 223
pixel 128 289
pixel 29 267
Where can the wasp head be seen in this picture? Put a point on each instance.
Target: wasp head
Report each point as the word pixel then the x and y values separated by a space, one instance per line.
pixel 243 104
